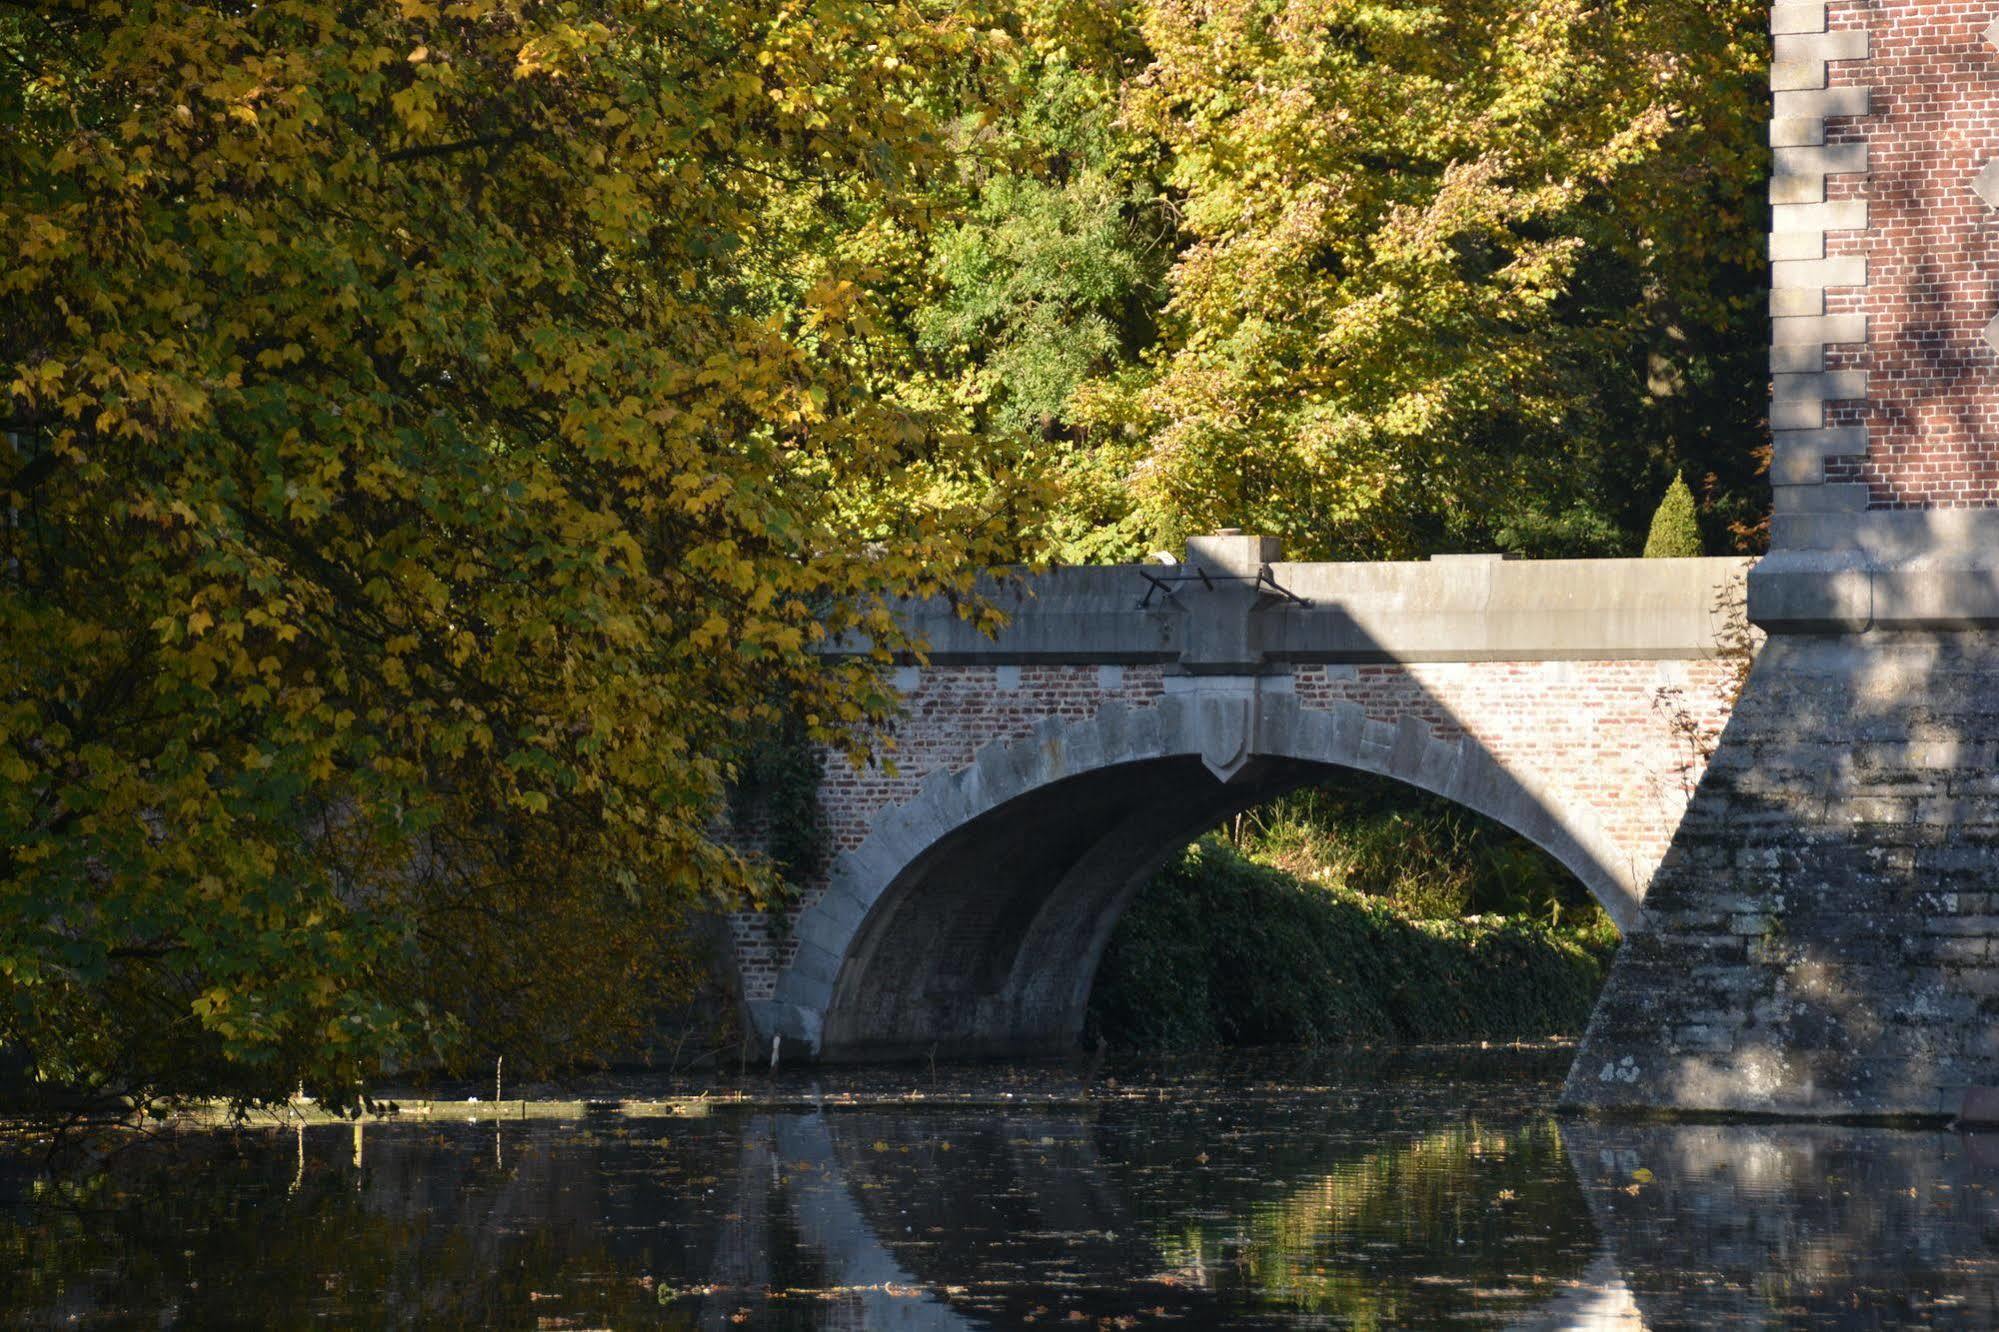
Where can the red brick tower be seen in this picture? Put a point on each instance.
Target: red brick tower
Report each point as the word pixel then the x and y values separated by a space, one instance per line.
pixel 1885 232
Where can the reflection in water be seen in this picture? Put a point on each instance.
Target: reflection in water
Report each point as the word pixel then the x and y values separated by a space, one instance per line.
pixel 1241 1199
pixel 1797 1224
pixel 829 1221
pixel 1472 1219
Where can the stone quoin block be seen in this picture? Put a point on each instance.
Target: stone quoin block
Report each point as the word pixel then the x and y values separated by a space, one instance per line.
pixel 1797 16
pixel 1837 215
pixel 1794 301
pixel 1798 401
pixel 1845 271
pixel 1797 245
pixel 1806 170
pixel 1819 329
pixel 1799 118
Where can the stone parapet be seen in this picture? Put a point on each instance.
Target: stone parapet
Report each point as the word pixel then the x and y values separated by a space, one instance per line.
pixel 1459 608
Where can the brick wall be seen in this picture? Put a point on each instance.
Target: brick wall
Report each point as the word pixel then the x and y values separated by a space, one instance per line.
pixel 1925 417
pixel 1627 739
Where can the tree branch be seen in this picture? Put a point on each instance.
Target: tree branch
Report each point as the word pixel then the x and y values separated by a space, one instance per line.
pixel 420 151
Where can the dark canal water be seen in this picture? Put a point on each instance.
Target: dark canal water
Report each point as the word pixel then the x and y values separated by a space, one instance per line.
pixel 1329 1192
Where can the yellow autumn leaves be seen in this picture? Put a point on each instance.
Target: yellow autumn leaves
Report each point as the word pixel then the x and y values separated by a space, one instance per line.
pixel 413 495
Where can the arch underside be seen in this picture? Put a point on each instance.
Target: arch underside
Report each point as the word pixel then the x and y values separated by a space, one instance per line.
pixel 988 942
pixel 972 920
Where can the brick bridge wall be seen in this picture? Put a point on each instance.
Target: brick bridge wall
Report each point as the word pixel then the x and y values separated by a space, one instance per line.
pixel 1626 740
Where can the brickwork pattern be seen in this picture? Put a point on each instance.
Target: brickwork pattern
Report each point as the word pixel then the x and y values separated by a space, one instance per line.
pixel 1921 427
pixel 1626 739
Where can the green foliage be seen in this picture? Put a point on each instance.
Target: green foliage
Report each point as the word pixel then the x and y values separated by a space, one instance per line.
pixel 1034 281
pixel 775 800
pixel 1676 527
pixel 1427 247
pixel 1378 279
pixel 1220 950
pixel 1470 1189
pixel 428 460
pixel 1427 857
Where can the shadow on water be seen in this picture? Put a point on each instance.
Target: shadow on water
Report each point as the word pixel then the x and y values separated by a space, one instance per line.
pixel 1404 1195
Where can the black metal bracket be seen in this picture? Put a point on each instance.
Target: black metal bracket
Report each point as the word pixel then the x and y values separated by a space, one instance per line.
pixel 1264 582
pixel 1267 581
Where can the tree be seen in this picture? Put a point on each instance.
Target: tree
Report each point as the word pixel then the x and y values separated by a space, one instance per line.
pixel 1447 272
pixel 1676 527
pixel 1048 288
pixel 418 490
pixel 1379 279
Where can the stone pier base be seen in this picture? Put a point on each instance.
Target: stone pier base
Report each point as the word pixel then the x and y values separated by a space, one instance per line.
pixel 1821 934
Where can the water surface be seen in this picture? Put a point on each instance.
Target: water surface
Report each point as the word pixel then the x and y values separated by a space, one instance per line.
pixel 1309 1192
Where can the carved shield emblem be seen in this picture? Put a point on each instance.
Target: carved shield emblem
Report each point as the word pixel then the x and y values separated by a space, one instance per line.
pixel 1223 726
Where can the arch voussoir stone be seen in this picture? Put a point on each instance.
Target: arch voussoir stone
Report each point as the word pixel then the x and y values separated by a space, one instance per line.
pixel 1439 761
pixel 999 778
pixel 840 906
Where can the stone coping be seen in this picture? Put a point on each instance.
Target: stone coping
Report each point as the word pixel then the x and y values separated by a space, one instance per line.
pixel 1455 608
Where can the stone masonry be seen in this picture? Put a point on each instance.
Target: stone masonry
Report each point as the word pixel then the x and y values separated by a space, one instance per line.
pixel 1820 932
pixel 1823 927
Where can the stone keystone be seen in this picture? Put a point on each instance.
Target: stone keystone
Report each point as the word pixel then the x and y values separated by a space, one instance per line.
pixel 1224 723
pixel 1992 33
pixel 1992 334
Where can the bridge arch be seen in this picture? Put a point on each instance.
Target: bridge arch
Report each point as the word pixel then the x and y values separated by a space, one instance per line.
pixel 972 917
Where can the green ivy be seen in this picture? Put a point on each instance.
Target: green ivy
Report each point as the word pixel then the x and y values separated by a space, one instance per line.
pixel 776 794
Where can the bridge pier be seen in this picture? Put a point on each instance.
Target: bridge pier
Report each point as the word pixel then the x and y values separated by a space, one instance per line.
pixel 1823 929
pixel 1825 932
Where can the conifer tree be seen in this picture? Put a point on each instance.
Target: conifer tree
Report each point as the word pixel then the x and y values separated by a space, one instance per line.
pixel 1676 529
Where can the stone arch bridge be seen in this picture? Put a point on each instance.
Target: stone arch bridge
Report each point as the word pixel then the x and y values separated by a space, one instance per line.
pixel 1040 778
